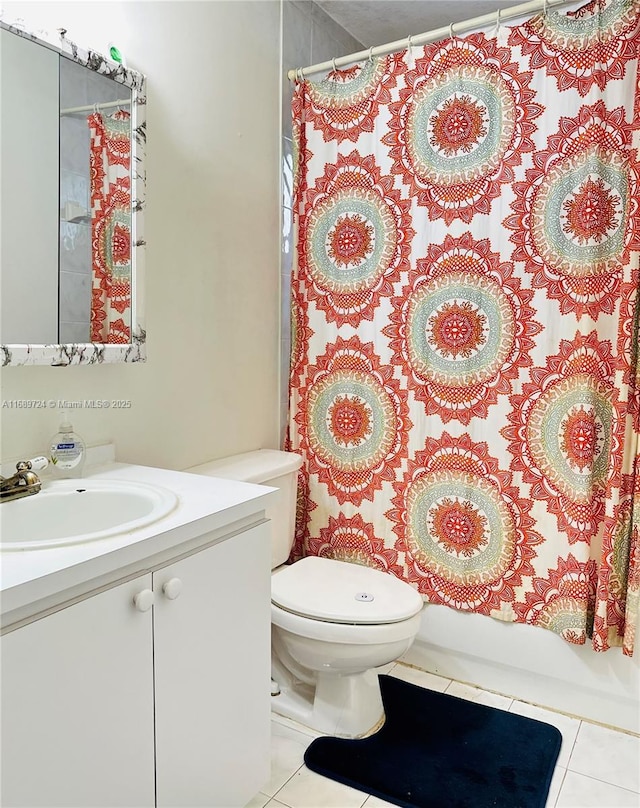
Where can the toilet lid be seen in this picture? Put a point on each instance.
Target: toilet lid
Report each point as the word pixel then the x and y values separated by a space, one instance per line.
pixel 340 592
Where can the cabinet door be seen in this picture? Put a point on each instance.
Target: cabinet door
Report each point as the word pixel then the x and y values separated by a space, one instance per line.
pixel 212 674
pixel 77 705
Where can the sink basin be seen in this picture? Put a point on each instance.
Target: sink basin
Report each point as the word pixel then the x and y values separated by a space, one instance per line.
pixel 78 511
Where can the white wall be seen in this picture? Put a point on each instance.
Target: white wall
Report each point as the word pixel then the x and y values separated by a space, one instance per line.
pixel 210 385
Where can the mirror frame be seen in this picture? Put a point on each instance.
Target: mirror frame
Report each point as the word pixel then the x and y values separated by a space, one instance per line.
pixel 90 353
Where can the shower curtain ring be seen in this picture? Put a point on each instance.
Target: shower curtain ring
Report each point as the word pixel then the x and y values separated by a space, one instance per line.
pixel 545 9
pixel 409 43
pixel 498 22
pixel 333 64
pixel 451 34
pixel 371 54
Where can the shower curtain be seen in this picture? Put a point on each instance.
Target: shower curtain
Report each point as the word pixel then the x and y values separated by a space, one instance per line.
pixel 463 384
pixel 110 167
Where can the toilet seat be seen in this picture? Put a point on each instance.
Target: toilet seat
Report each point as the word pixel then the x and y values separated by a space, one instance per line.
pixel 330 591
pixel 345 633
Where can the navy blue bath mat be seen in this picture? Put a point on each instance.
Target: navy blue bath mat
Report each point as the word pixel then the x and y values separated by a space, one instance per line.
pixel 439 751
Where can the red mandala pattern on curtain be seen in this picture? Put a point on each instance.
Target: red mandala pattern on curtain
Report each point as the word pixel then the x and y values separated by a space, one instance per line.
pixel 576 216
pixel 462 124
pixel 462 329
pixel 300 336
pixel 304 508
pixel 567 434
pixel 354 419
pixel 354 239
pixel 564 601
pixel 627 335
pixel 465 391
pixel 616 580
pixel 589 55
pixel 347 102
pixel 301 154
pixel 109 166
pixel 621 626
pixel 353 539
pixel 467 535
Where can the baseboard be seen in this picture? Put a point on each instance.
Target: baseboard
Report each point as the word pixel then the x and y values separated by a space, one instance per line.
pixel 570 698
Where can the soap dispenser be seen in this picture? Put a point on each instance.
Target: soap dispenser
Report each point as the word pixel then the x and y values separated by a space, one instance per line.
pixel 67 450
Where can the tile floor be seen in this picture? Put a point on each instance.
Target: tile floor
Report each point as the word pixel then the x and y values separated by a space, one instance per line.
pixel 597 767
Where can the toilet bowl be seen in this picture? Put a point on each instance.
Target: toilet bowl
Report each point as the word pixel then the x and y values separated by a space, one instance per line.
pixel 332 622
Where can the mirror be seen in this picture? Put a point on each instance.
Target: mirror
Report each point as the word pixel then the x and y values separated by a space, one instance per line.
pixel 72 187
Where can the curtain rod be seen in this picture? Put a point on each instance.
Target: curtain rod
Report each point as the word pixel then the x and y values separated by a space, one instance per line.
pixel 123 102
pixel 522 10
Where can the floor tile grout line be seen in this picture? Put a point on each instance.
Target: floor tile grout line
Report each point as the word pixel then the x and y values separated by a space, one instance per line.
pixel 591 777
pixel 573 748
pixel 564 776
pixel 282 802
pixel 604 782
pixel 483 692
pixel 275 796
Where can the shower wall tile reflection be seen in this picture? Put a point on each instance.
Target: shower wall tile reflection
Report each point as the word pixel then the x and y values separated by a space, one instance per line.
pixel 75 236
pixel 287 172
pixel 75 299
pixel 75 247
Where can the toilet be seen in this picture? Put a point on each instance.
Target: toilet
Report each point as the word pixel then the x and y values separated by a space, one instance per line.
pixel 332 622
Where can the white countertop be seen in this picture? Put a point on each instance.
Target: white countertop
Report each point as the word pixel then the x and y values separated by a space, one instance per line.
pixel 32 581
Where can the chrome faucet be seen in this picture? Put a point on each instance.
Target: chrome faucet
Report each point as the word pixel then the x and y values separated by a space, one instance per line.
pixel 21 484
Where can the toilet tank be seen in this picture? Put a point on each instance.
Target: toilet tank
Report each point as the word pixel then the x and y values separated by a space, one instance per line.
pixel 265 467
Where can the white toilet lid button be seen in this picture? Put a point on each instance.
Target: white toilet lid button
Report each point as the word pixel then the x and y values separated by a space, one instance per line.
pixel 339 592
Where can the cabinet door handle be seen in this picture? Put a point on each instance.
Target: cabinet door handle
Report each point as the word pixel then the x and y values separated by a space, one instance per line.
pixel 172 588
pixel 143 600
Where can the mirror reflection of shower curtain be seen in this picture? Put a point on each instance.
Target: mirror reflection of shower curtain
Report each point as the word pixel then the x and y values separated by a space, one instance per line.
pixel 110 172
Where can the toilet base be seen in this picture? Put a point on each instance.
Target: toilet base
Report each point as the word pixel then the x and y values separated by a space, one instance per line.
pixel 343 706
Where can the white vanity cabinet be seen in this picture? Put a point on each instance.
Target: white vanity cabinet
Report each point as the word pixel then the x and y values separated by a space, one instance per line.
pixel 110 703
pixel 212 674
pixel 77 705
